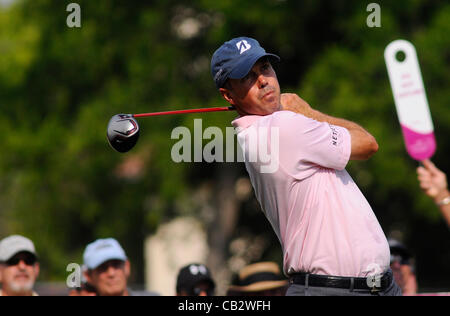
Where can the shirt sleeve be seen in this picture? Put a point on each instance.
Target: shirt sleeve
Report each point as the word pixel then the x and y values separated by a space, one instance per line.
pixel 306 144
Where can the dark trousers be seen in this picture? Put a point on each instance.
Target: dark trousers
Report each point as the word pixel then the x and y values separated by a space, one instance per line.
pixel 305 290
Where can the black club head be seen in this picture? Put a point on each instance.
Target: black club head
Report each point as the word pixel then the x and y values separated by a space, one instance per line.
pixel 123 132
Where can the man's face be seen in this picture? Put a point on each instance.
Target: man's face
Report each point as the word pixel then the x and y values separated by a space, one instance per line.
pixel 110 278
pixel 258 93
pixel 19 273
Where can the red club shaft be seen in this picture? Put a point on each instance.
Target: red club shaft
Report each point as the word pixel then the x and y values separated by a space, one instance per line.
pixel 228 108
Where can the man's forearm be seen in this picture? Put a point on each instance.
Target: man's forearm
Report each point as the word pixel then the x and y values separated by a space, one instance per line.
pixel 321 117
pixel 363 144
pixel 294 103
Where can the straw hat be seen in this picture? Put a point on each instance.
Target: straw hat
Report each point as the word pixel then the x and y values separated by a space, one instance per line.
pixel 261 276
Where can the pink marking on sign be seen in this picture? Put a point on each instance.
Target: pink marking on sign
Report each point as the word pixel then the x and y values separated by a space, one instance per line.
pixel 419 146
pixel 410 93
pixel 407 84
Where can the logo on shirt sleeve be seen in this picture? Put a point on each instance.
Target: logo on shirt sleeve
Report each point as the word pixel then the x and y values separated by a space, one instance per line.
pixel 334 135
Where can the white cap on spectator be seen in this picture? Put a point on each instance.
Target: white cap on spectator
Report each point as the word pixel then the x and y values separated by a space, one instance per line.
pixel 12 245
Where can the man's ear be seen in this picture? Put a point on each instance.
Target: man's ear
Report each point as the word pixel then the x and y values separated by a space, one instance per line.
pixel 87 275
pixel 226 94
pixel 127 268
pixel 37 269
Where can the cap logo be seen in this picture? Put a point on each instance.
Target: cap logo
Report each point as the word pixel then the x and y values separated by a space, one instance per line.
pixel 103 246
pixel 243 46
pixel 218 74
pixel 194 269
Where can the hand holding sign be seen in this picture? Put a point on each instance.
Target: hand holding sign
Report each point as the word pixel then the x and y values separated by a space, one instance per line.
pixel 410 99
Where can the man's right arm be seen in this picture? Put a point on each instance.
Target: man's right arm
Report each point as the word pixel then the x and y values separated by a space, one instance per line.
pixel 364 144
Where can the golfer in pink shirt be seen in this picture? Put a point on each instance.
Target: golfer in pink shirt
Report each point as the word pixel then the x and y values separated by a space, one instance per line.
pixel 296 156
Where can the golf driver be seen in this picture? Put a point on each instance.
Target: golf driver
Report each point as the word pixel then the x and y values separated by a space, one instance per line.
pixel 123 129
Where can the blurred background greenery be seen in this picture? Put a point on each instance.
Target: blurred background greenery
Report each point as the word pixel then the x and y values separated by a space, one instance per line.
pixel 63 186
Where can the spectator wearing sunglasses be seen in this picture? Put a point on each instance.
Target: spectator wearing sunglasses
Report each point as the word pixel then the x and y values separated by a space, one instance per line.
pixel 108 269
pixel 19 267
pixel 195 280
pixel 403 267
pixel 85 289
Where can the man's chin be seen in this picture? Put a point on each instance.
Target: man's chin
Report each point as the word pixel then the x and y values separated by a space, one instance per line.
pixel 114 291
pixel 20 288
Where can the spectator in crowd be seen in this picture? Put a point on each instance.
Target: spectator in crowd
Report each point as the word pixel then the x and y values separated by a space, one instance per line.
pixel 195 280
pixel 85 288
pixel 402 266
pixel 434 183
pixel 19 266
pixel 108 269
pixel 259 279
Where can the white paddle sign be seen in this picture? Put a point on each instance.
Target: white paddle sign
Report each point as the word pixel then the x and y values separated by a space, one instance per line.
pixel 410 99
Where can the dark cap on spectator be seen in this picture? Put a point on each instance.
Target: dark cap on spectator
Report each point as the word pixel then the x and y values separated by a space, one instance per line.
pixel 235 58
pixel 192 274
pixel 398 249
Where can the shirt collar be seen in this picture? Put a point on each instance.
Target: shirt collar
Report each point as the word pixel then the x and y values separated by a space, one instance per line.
pixel 242 122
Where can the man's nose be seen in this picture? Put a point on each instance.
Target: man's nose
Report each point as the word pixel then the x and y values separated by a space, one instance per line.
pixel 22 265
pixel 262 81
pixel 111 270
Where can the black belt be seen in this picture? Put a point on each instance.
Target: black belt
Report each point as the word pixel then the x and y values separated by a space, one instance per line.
pixel 371 283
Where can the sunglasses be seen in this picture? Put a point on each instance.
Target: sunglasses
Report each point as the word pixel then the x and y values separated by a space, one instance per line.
pixel 116 264
pixel 29 261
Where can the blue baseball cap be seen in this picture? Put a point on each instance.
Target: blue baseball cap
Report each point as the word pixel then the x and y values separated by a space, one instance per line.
pixel 235 58
pixel 102 250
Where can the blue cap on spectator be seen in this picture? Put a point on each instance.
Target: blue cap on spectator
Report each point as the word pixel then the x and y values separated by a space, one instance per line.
pixel 102 250
pixel 235 58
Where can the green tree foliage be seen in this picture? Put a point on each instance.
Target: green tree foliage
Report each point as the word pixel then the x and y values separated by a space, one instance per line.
pixel 63 186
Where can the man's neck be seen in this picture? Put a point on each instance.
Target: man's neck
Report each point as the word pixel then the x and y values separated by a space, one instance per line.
pixel 243 113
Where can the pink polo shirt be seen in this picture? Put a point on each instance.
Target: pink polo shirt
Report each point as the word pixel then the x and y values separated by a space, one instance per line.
pixel 323 221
